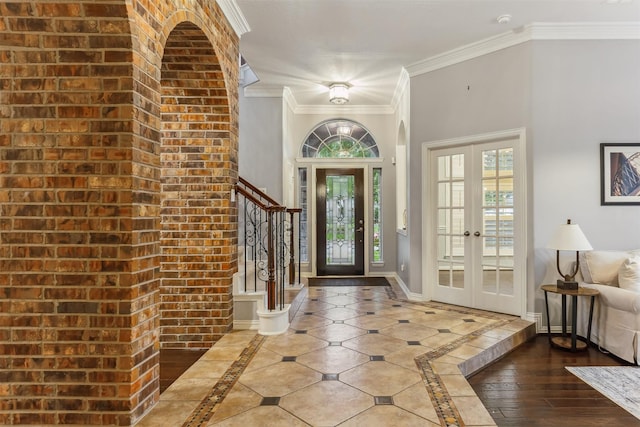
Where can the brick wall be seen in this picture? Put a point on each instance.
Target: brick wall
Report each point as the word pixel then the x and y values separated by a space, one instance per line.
pixel 196 304
pixel 90 228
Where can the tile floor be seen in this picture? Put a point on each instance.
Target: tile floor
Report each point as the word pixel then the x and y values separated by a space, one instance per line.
pixel 353 356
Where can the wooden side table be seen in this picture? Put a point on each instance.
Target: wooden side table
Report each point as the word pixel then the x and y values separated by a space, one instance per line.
pixel 572 343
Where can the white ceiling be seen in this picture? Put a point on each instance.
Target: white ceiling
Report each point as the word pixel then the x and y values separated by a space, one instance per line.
pixel 305 44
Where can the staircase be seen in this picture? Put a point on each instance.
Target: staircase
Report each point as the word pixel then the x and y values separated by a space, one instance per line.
pixel 267 283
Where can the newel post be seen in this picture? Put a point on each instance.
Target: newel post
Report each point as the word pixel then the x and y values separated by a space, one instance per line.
pixel 271 263
pixel 292 257
pixel 292 251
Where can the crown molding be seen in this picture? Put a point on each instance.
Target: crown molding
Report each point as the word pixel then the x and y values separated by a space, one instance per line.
pixel 289 99
pixel 464 53
pixel 584 31
pixel 344 109
pixel 401 87
pixel 235 16
pixel 263 91
pixel 534 31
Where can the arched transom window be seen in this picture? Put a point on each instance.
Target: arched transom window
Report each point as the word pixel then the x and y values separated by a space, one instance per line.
pixel 340 139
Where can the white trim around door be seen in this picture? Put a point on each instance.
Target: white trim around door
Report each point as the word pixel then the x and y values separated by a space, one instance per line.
pixel 476 295
pixel 313 214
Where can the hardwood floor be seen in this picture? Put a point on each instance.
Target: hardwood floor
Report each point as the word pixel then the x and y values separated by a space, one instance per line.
pixel 173 363
pixel 530 387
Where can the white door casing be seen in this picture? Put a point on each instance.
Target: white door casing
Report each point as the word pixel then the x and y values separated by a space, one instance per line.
pixel 487 266
pixel 314 164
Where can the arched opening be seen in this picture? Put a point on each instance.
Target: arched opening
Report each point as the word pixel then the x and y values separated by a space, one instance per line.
pixel 197 241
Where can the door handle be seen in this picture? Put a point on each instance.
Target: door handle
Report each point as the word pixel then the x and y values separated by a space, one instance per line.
pixel 477 234
pixel 466 233
pixel 360 229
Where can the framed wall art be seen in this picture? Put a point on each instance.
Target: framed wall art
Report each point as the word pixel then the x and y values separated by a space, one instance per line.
pixel 620 173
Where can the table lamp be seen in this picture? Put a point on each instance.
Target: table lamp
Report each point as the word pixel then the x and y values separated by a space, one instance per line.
pixel 569 237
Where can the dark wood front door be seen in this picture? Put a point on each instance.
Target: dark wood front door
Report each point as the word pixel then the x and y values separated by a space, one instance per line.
pixel 340 221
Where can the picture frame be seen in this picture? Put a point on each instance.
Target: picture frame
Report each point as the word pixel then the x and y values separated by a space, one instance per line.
pixel 620 174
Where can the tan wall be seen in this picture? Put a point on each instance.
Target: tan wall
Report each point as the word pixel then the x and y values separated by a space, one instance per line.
pixel 116 231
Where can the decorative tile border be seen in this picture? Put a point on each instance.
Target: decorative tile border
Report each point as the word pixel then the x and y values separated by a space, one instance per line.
pixel 205 410
pixel 440 397
pixel 442 401
pixel 394 290
pixel 391 291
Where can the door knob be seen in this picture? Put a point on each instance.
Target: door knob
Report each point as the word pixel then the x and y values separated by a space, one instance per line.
pixel 477 233
pixel 360 229
pixel 466 233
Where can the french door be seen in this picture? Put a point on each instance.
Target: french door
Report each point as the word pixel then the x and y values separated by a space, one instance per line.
pixel 340 221
pixel 475 219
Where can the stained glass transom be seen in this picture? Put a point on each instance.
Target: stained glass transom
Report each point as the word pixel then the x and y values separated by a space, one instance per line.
pixel 340 139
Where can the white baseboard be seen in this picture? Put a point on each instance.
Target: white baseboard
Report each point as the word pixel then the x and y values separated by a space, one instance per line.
pixel 537 319
pixel 554 330
pixel 246 324
pixel 542 329
pixel 411 296
pixel 382 273
pixel 558 330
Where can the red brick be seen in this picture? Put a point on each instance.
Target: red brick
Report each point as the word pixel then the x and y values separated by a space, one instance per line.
pixel 80 168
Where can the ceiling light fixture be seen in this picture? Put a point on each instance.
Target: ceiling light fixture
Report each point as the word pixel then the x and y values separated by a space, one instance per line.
pixel 339 93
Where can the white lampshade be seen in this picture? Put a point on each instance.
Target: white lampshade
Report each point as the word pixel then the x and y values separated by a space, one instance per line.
pixel 339 93
pixel 569 237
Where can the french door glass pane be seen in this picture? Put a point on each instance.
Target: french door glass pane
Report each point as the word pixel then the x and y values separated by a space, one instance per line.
pixel 451 197
pixel 444 194
pixel 340 204
pixel 457 221
pixel 457 166
pixel 444 273
pixel 444 221
pixel 497 220
pixel 444 168
pixel 457 193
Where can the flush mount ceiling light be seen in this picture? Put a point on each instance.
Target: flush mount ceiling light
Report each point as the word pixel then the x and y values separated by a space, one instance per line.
pixel 339 93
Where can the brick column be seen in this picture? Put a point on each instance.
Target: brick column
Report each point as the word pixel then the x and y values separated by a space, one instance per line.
pixel 80 204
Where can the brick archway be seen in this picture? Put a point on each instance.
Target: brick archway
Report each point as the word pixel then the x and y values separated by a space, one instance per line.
pixel 80 203
pixel 197 176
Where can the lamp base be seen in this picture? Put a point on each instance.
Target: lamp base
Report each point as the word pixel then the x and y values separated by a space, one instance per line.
pixel 567 285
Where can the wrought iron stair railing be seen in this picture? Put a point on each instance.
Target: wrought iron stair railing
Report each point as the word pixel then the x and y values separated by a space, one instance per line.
pixel 267 238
